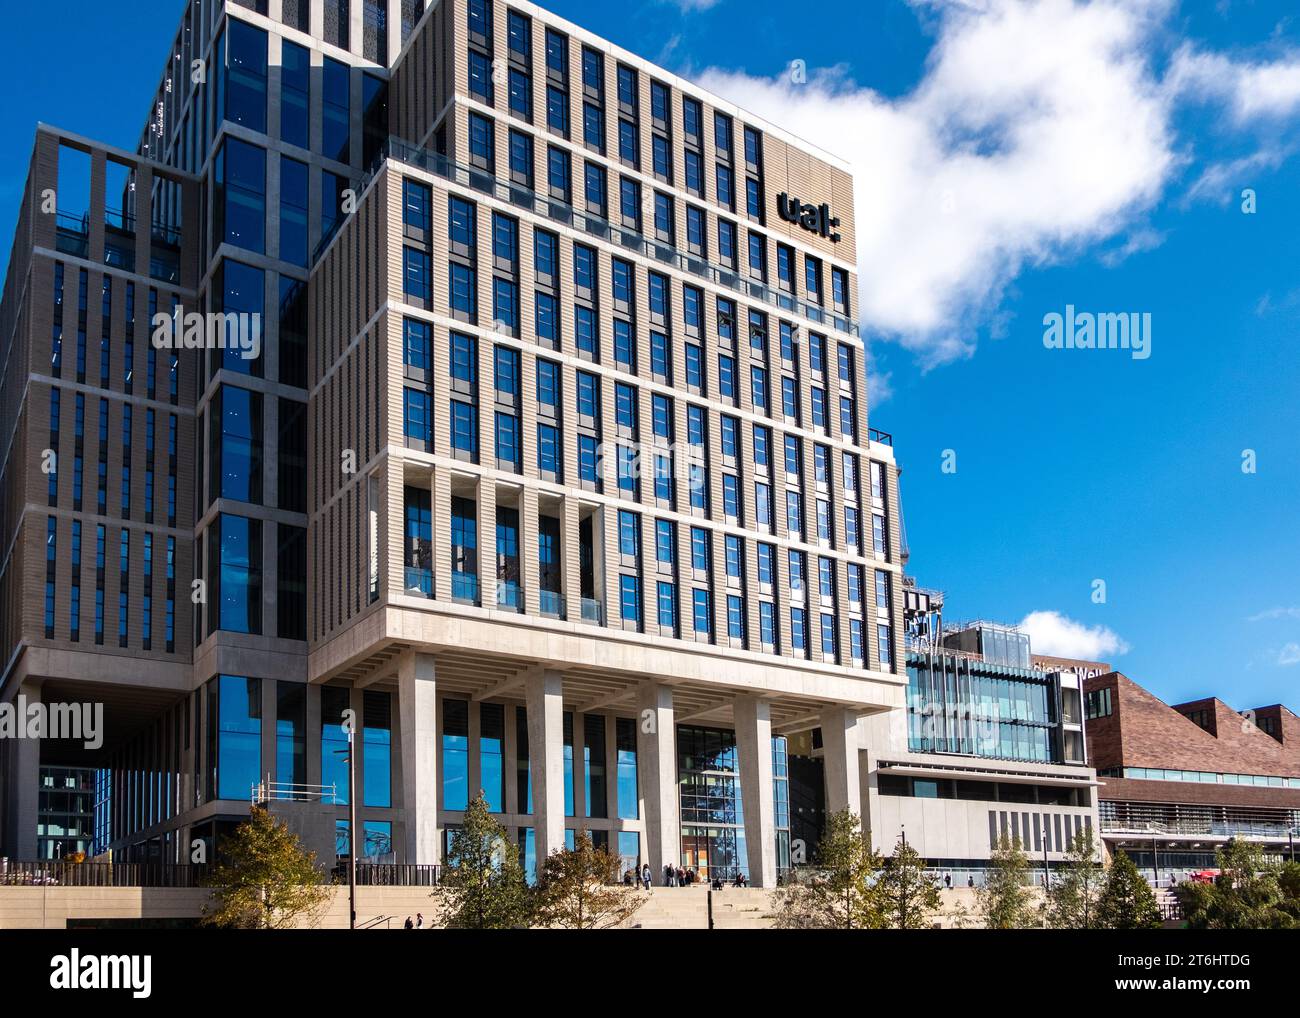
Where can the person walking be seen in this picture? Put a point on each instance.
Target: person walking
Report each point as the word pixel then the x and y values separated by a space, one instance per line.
pixel 645 876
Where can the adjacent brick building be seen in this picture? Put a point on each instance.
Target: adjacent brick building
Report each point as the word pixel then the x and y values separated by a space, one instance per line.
pixel 1178 781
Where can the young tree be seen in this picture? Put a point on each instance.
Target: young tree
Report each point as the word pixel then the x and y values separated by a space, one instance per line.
pixel 1072 898
pixel 1006 902
pixel 483 886
pixel 1127 901
pixel 578 889
pixel 840 891
pixel 1249 894
pixel 907 895
pixel 264 879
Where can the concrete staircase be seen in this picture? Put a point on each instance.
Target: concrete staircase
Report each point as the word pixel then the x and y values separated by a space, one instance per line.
pixel 687 908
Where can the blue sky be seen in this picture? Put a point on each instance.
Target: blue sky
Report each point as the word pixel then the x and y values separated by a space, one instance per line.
pixel 1012 157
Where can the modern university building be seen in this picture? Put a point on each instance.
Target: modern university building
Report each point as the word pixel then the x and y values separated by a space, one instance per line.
pixel 457 374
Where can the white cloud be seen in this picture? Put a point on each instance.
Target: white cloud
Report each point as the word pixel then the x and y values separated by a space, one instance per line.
pixel 1251 91
pixel 1011 151
pixel 1137 242
pixel 1040 129
pixel 1289 655
pixel 1223 181
pixel 1057 635
pixel 1272 614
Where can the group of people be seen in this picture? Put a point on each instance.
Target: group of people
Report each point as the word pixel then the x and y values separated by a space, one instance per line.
pixel 642 877
pixel 677 876
pixel 414 924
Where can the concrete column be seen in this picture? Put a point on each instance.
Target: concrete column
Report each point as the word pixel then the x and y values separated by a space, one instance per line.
pixel 840 748
pixel 417 701
pixel 657 769
pixel 754 746
pixel 474 761
pixel 357 701
pixel 270 702
pixel 313 735
pixel 546 760
pixel 580 771
pixel 24 780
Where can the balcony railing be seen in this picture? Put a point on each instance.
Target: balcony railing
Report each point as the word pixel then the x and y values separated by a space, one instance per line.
pixel 514 194
pixel 118 220
pixel 593 611
pixel 508 595
pixel 418 581
pixel 464 587
pixel 551 603
pixel 72 233
pixel 883 437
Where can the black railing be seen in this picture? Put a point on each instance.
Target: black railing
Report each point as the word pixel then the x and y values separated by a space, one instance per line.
pixel 883 437
pixel 390 874
pixel 100 874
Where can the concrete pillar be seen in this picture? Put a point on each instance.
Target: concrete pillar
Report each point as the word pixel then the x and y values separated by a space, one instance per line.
pixel 840 748
pixel 270 703
pixel 657 769
pixel 417 695
pixel 313 735
pixel 23 778
pixel 754 748
pixel 545 692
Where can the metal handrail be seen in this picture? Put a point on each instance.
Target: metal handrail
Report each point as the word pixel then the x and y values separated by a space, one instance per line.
pixel 99 874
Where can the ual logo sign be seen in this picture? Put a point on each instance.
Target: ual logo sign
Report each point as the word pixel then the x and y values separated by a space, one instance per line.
pixel 815 218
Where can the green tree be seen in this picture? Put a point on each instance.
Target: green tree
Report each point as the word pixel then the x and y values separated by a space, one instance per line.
pixel 578 889
pixel 1127 901
pixel 1073 895
pixel 483 886
pixel 1288 879
pixel 840 891
pixel 1249 895
pixel 1006 901
pixel 907 895
pixel 264 878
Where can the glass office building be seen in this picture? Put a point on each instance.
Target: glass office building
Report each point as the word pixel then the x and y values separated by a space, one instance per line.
pixel 545 439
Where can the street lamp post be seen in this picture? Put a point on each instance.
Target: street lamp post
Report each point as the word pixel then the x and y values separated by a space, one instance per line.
pixel 902 887
pixel 352 831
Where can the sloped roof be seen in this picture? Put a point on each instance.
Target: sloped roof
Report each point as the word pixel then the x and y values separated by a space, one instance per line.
pixel 1144 731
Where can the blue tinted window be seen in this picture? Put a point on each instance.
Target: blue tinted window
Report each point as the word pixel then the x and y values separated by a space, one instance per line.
pixel 293 210
pixel 376 749
pixel 240 574
pixel 337 110
pixel 245 85
pixel 295 93
pixel 241 195
pixel 416 271
pixel 241 444
pixel 239 736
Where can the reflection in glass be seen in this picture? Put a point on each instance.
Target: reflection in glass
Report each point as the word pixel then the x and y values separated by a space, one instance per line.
pixel 239 736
